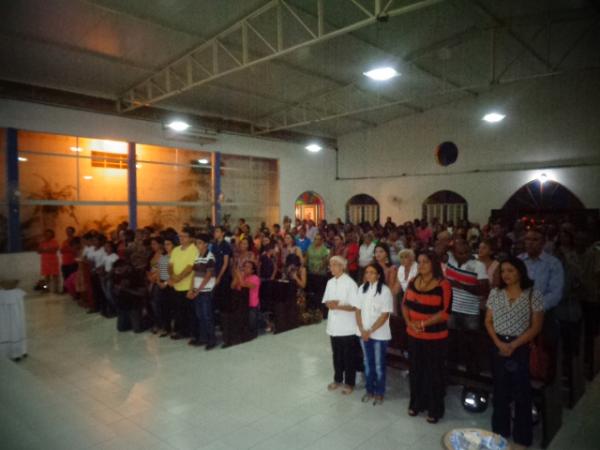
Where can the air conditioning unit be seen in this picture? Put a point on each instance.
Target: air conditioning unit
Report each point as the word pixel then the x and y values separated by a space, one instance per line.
pixel 193 134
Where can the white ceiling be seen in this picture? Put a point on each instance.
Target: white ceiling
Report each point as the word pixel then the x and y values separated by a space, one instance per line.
pixel 104 47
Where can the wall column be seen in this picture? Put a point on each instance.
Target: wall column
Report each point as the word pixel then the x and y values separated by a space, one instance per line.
pixel 12 190
pixel 216 187
pixel 132 185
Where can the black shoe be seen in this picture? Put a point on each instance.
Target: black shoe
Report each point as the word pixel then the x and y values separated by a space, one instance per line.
pixel 225 345
pixel 210 346
pixel 175 337
pixel 195 343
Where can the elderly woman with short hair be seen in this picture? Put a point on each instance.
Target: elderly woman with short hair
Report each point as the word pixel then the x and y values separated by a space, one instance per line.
pixel 339 296
pixel 408 268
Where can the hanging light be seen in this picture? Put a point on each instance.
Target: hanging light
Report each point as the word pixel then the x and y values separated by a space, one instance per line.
pixel 314 148
pixel 382 73
pixel 493 117
pixel 178 125
pixel 542 178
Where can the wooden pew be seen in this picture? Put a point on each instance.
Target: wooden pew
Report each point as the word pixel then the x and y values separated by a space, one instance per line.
pixel 235 318
pixel 285 308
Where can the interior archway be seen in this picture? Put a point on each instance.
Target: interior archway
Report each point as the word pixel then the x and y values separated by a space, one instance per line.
pixel 310 206
pixel 362 208
pixel 445 206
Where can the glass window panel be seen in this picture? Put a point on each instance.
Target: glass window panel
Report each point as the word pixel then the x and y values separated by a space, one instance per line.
pixel 172 155
pixel 164 183
pixel 48 143
pixel 101 183
pixel 44 177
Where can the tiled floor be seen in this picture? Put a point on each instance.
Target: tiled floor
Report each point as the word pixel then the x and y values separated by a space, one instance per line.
pixel 86 386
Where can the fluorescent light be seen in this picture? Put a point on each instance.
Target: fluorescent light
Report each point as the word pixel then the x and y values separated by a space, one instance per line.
pixel 76 149
pixel 87 177
pixel 542 178
pixel 23 159
pixel 314 148
pixel 203 161
pixel 381 73
pixel 493 117
pixel 178 125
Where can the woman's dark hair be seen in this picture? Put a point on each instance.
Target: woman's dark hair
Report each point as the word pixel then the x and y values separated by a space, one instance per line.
pixel 386 249
pixel 492 245
pixel 111 244
pixel 203 237
pixel 436 264
pixel 158 240
pixel 250 243
pixel 380 281
pixel 254 267
pixel 524 281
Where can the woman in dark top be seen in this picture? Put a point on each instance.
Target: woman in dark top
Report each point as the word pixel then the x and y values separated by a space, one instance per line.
pixel 425 308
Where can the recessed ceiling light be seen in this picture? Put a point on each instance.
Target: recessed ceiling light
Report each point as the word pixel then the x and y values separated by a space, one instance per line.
pixel 87 177
pixel 381 73
pixel 314 148
pixel 76 149
pixel 493 117
pixel 23 159
pixel 203 161
pixel 178 125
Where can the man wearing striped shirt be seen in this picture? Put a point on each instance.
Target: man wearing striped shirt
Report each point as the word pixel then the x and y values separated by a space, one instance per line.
pixel 469 281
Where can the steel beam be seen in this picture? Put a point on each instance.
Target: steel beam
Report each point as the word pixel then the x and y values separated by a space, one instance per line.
pixel 307 120
pixel 141 95
pixel 499 21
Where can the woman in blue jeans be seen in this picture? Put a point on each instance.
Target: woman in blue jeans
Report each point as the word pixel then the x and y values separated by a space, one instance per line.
pixel 374 303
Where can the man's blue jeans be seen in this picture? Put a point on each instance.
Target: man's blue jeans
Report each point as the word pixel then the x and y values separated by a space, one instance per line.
pixel 374 352
pixel 203 306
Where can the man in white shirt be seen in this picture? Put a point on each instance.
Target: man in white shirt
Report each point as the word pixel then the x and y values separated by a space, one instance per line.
pixel 339 296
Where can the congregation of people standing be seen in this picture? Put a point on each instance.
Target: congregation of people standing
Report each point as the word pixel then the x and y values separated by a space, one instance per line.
pixel 446 284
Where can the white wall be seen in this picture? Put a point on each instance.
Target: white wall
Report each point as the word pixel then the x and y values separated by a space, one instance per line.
pixel 550 122
pixel 299 170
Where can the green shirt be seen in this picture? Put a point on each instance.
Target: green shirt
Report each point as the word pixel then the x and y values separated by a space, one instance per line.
pixel 316 259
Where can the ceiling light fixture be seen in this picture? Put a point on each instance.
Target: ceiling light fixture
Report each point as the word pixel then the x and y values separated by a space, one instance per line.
pixel 494 117
pixel 542 178
pixel 203 161
pixel 76 149
pixel 87 177
pixel 138 166
pixel 381 73
pixel 314 148
pixel 23 159
pixel 178 125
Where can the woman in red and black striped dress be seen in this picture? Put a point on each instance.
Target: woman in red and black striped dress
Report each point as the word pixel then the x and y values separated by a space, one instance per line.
pixel 425 308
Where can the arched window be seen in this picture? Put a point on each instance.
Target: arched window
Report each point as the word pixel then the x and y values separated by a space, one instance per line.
pixel 541 197
pixel 446 206
pixel 362 208
pixel 310 206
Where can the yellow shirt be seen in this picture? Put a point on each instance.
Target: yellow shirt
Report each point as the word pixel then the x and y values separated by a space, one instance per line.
pixel 180 259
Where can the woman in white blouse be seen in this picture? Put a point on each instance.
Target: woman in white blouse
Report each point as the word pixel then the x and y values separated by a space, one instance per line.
pixel 374 304
pixel 515 314
pixel 408 268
